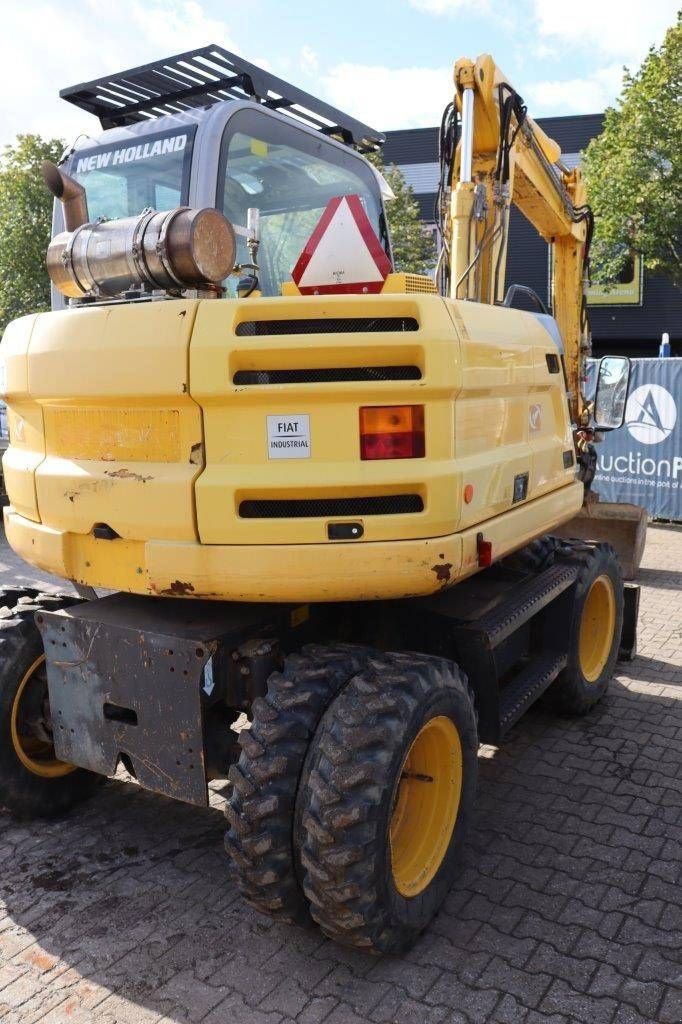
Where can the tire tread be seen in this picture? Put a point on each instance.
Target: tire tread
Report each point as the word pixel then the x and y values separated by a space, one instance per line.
pixel 265 780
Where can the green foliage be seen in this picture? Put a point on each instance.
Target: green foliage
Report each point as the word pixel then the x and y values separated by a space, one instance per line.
pixel 634 168
pixel 25 226
pixel 414 250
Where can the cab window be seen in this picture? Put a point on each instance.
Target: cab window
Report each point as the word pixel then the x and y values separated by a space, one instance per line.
pixel 123 178
pixel 289 176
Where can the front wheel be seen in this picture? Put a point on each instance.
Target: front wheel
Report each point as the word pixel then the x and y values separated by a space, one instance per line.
pixel 594 630
pixel 389 785
pixel 34 783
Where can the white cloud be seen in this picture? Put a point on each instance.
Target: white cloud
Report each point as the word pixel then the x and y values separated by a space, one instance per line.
pixel 41 51
pixel 609 27
pixel 310 62
pixel 544 52
pixel 387 98
pixel 588 95
pixel 172 26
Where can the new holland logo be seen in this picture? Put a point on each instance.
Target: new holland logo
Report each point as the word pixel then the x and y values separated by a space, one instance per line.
pixel 650 414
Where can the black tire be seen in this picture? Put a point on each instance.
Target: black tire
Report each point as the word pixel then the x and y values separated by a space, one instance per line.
pixel 25 793
pixel 351 785
pixel 535 557
pixel 572 692
pixel 260 837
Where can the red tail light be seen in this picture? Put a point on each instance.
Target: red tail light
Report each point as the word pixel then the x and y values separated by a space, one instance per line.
pixel 484 550
pixel 392 432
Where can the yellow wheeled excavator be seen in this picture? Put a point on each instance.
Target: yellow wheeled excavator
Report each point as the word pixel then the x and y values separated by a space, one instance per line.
pixel 317 492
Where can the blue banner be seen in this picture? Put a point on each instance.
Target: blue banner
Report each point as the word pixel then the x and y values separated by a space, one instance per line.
pixel 642 462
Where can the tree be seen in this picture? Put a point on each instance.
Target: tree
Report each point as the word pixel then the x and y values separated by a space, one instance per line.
pixel 634 168
pixel 25 226
pixel 414 250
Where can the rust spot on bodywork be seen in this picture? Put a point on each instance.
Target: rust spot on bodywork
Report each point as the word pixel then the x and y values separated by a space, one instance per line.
pixel 178 589
pixel 442 572
pixel 126 474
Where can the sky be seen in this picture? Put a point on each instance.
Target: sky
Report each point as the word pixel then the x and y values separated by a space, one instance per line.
pixel 388 62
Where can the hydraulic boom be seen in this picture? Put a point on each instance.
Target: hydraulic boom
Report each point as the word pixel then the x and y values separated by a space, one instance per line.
pixel 504 158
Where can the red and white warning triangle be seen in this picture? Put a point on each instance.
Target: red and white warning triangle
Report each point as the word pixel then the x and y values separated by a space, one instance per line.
pixel 343 254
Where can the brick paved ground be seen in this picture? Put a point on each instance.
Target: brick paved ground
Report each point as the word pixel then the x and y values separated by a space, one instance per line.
pixel 568 908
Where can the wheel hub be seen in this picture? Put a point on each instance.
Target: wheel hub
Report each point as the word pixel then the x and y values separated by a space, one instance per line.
pixel 597 625
pixel 31 725
pixel 426 805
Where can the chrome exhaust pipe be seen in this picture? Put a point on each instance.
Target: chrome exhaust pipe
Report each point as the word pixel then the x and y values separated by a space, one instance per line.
pixel 70 192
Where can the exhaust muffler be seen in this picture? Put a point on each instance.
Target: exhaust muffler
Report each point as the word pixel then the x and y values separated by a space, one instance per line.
pixel 172 251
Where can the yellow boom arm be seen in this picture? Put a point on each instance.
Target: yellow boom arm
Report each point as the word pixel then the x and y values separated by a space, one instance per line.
pixel 503 157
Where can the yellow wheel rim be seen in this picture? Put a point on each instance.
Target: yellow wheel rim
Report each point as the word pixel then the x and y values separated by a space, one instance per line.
pixel 597 626
pixel 36 755
pixel 426 807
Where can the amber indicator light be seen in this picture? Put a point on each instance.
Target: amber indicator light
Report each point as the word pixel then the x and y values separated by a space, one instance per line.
pixel 392 432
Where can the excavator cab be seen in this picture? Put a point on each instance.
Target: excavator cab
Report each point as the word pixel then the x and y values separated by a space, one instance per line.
pixel 210 133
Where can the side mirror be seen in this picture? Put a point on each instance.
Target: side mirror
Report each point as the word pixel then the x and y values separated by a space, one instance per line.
pixel 611 392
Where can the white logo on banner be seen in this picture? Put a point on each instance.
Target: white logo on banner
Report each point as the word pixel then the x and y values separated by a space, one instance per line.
pixel 650 414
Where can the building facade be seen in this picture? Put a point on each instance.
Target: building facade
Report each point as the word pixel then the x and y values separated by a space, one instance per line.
pixel 630 318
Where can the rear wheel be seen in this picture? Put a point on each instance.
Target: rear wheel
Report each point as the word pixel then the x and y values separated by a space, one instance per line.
pixel 594 631
pixel 389 788
pixel 261 834
pixel 535 557
pixel 33 781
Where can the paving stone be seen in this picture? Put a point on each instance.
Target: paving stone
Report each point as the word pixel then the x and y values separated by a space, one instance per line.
pixel 184 991
pixel 472 1002
pixel 508 1011
pixel 235 1010
pixel 360 993
pixel 671 1008
pixel 121 1011
pixel 527 985
pixel 588 1009
pixel 654 966
pixel 563 937
pixel 415 980
pixel 576 970
pixel 395 1008
pixel 535 1017
pixel 317 1011
pixel 516 950
pixel 343 1014
pixel 287 998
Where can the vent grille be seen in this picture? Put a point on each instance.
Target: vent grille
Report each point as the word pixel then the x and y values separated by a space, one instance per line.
pixel 419 284
pixel 298 508
pixel 327 375
pixel 321 325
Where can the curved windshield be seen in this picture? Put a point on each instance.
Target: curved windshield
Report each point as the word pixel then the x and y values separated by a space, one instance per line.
pixel 289 176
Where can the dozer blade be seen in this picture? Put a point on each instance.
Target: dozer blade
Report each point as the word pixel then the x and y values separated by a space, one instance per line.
pixel 621 525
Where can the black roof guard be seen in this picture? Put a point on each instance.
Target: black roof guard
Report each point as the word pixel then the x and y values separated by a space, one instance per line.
pixel 201 78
